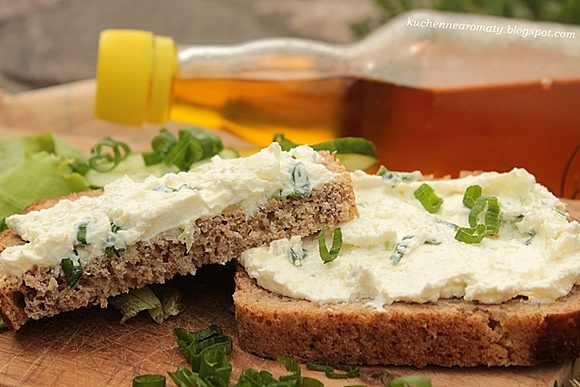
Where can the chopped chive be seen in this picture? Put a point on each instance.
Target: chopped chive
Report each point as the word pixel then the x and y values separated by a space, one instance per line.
pixel 149 380
pixel 478 207
pixel 329 256
pixel 82 233
pixel 330 370
pixel 297 256
pixel 472 193
pixel 428 198
pixel 492 219
pixel 102 161
pixel 300 180
pixel 192 145
pixel 71 271
pixel 471 234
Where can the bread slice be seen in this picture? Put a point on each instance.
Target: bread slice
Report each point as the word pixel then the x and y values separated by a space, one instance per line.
pixel 449 332
pixel 42 291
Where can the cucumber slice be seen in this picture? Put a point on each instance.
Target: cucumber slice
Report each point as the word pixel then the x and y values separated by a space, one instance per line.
pixel 348 145
pixel 354 161
pixel 353 152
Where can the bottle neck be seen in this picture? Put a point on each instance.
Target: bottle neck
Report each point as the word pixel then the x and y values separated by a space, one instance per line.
pixel 264 59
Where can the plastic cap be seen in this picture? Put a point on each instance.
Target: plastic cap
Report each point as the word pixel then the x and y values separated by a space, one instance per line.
pixel 134 73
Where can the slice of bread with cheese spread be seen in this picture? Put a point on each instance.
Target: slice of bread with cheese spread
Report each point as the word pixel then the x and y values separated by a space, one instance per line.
pixel 77 251
pixel 409 288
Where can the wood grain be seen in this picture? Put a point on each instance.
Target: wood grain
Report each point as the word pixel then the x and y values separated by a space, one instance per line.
pixel 91 347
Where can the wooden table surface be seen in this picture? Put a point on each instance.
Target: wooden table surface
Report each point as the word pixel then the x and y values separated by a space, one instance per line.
pixel 91 347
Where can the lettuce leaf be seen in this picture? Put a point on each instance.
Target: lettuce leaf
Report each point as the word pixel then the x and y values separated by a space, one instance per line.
pixel 160 301
pixel 37 176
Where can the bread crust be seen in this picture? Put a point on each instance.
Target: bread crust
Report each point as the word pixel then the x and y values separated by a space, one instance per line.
pixel 445 333
pixel 42 292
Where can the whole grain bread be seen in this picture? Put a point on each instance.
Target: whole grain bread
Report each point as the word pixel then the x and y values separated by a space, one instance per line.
pixel 42 293
pixel 446 333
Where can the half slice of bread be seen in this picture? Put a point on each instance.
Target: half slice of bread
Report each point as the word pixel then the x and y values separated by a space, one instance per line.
pixel 449 332
pixel 42 291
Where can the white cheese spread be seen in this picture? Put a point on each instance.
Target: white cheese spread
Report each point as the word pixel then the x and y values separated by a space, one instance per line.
pixel 128 211
pixel 535 255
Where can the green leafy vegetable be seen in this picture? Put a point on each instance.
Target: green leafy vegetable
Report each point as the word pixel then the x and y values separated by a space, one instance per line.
pixel 161 302
pixel 428 198
pixel 37 176
pixel 72 271
pixel 3 324
pixel 329 256
pixel 149 380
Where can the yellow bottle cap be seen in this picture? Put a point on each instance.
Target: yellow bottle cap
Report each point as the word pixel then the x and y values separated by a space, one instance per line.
pixel 134 73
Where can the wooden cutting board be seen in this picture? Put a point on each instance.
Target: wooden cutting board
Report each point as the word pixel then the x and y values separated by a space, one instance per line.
pixel 91 347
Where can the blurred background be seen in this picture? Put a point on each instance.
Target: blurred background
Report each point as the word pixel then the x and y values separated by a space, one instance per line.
pixel 50 42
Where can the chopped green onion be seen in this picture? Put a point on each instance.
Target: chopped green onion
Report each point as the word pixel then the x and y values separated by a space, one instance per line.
pixel 192 145
pixel 297 257
pixel 82 233
pixel 472 193
pixel 346 371
pixel 479 204
pixel 428 198
pixel 530 239
pixel 105 162
pixel 300 180
pixel 71 271
pixel 394 178
pixel 492 219
pixel 471 234
pixel 329 256
pixel 195 345
pixel 478 207
pixel 402 248
pixel 149 380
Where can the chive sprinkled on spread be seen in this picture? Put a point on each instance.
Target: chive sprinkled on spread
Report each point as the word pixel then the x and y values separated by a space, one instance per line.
pixel 428 198
pixel 478 205
pixel 72 270
pixel 326 255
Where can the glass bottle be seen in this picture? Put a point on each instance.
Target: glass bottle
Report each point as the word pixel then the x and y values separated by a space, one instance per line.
pixel 437 92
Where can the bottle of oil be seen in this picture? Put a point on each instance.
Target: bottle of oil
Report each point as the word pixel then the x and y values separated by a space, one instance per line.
pixel 438 92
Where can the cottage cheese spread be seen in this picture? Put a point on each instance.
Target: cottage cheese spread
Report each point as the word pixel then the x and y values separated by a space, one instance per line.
pixel 130 211
pixel 535 255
